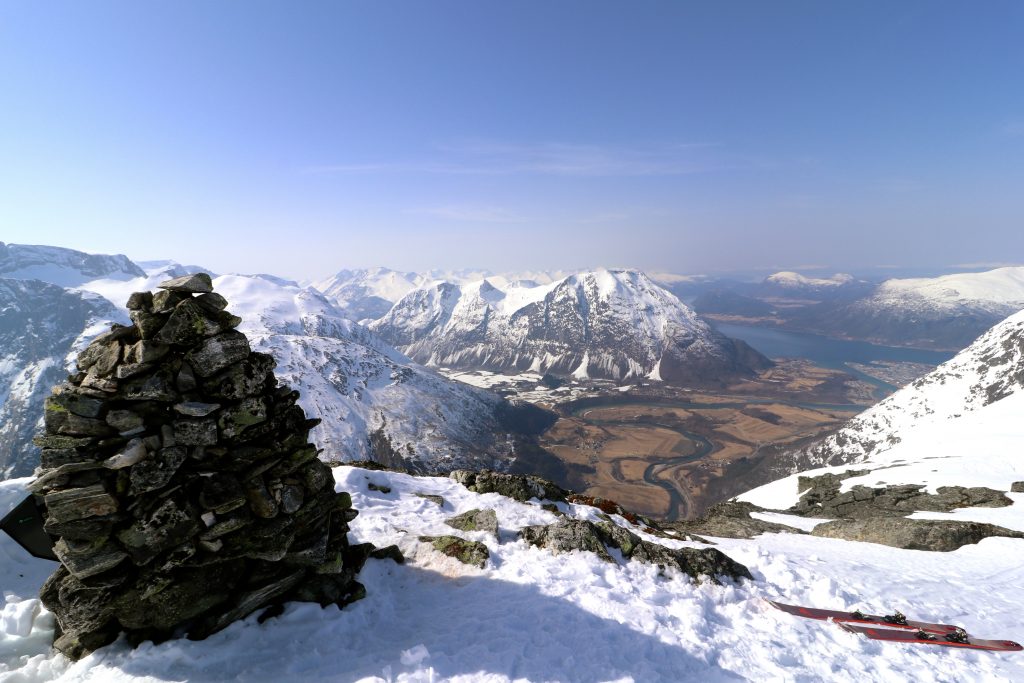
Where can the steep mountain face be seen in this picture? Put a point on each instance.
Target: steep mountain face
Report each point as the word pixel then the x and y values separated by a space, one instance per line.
pixel 64 267
pixel 375 403
pixel 989 370
pixel 40 324
pixel 946 312
pixel 600 324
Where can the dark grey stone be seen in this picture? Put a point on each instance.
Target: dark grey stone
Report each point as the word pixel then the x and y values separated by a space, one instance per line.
pixel 520 487
pixel 148 324
pixel 79 503
pixel 188 325
pixel 196 409
pixel 124 420
pixel 169 525
pixel 88 558
pixel 218 352
pixel 1017 487
pixel 139 300
pixel 475 520
pixel 244 379
pixel 912 534
pixel 200 432
pixel 222 493
pixel 195 283
pixel 165 300
pixel 212 301
pixel 467 552
pixel 156 472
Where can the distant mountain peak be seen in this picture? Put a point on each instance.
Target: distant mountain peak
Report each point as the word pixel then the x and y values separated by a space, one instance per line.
pixel 602 323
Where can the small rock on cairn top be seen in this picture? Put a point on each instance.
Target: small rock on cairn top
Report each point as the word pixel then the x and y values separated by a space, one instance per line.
pixel 180 480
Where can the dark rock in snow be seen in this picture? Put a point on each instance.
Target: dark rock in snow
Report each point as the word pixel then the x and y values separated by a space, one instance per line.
pixel 913 534
pixel 475 520
pixel 180 481
pixel 466 552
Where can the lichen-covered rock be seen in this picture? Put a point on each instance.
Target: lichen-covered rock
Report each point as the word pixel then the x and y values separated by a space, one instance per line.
pixel 823 497
pixel 913 534
pixel 181 483
pixel 568 535
pixel 475 520
pixel 467 552
pixel 729 519
pixel 521 487
pixel 1017 487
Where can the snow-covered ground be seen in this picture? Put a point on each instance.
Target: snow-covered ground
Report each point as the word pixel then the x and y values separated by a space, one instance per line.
pixel 533 616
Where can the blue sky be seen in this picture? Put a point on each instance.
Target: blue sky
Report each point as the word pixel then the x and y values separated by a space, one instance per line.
pixel 300 138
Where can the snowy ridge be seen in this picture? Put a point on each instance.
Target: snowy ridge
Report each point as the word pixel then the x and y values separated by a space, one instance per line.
pixel 614 324
pixel 60 266
pixel 359 386
pixel 989 370
pixel 998 292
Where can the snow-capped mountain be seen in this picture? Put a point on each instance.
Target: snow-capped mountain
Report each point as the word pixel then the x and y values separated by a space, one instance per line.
pixel 374 402
pixel 789 284
pixel 988 371
pixel 368 293
pixel 943 312
pixel 64 267
pixel 614 324
pixel 40 324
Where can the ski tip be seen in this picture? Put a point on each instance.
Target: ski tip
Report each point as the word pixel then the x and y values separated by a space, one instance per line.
pixel 843 625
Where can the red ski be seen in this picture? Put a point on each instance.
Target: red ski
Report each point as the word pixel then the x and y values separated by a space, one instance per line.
pixel 895 621
pixel 956 639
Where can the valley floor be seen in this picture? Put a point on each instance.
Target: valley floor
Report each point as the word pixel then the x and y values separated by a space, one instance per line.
pixel 532 616
pixel 670 452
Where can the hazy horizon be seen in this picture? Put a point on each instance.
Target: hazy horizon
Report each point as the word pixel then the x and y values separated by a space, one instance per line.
pixel 689 138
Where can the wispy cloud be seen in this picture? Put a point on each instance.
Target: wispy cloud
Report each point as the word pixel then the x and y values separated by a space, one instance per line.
pixel 473 213
pixel 1012 129
pixel 550 158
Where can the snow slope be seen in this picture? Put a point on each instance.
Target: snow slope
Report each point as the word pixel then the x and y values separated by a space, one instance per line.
pixel 991 369
pixel 999 291
pixel 614 324
pixel 533 616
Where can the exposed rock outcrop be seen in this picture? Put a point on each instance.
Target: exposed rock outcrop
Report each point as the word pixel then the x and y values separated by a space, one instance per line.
pixel 180 481
pixel 568 535
pixel 730 519
pixel 913 534
pixel 475 520
pixel 516 486
pixel 823 498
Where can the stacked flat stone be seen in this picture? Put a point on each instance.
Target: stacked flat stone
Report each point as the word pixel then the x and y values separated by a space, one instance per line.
pixel 180 481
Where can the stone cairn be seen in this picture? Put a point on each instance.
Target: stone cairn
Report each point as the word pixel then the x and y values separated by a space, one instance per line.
pixel 179 479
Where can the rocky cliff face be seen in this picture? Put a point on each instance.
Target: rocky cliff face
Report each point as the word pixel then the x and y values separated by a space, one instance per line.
pixel 40 323
pixel 178 476
pixel 601 324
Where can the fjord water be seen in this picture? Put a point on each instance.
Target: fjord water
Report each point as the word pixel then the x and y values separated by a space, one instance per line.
pixel 828 352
